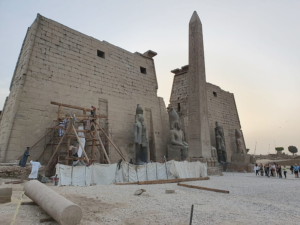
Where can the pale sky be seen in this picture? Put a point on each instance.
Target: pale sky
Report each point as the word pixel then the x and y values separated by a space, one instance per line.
pixel 252 49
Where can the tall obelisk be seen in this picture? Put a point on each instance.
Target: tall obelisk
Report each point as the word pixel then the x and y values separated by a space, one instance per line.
pixel 198 126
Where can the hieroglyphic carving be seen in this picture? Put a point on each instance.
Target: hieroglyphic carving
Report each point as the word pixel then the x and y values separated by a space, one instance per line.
pixel 198 128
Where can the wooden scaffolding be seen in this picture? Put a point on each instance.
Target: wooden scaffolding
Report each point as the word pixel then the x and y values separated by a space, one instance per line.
pixel 70 133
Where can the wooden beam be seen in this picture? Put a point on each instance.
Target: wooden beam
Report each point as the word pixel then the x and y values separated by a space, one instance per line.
pixel 77 158
pixel 85 117
pixel 127 183
pixel 88 116
pixel 43 152
pixel 37 142
pixel 98 145
pixel 106 156
pixel 203 188
pixel 67 155
pixel 15 182
pixel 118 150
pixel 172 180
pixel 80 144
pixel 70 106
pixel 57 147
pixel 62 128
pixel 74 136
pixel 58 113
pixel 93 150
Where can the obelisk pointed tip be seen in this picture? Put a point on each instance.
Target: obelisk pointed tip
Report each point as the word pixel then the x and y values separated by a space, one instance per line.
pixel 195 18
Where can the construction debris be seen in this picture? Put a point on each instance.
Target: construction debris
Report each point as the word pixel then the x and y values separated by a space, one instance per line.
pixel 139 191
pixel 127 183
pixel 203 188
pixel 15 182
pixel 164 181
pixel 172 180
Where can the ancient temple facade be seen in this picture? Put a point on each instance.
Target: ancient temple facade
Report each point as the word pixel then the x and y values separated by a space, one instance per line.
pixel 57 63
pixel 201 104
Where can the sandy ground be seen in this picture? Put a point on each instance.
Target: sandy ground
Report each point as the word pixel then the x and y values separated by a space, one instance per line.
pixel 252 200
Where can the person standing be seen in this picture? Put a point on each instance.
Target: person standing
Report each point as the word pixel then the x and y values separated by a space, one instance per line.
pixel 284 171
pixel 261 169
pixel 35 169
pixel 23 160
pixel 296 168
pixel 279 173
pixel 267 170
pixel 256 169
pixel 273 170
pixel 292 169
pixel 270 170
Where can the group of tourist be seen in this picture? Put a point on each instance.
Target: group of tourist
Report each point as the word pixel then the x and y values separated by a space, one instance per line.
pixel 275 170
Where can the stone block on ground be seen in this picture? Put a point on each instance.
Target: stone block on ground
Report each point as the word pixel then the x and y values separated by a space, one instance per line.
pixel 5 195
pixel 139 191
pixel 43 179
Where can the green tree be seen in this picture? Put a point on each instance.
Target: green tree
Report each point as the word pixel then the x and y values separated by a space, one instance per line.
pixel 292 149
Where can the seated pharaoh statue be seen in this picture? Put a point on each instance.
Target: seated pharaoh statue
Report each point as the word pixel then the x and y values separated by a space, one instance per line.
pixel 178 148
pixel 240 142
pixel 241 156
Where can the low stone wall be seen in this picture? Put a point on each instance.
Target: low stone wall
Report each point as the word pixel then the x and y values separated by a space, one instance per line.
pixel 214 171
pixel 236 167
pixel 16 172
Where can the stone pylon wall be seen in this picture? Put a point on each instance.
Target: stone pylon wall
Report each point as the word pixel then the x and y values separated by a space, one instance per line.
pixel 221 108
pixel 8 136
pixel 63 66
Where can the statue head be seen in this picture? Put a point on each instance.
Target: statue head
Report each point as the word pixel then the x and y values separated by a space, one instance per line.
pixel 173 117
pixel 139 109
pixel 176 125
pixel 217 125
pixel 238 134
pixel 169 108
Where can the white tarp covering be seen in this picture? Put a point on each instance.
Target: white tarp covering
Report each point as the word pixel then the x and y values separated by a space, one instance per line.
pixel 188 169
pixel 82 141
pixel 77 175
pixel 104 174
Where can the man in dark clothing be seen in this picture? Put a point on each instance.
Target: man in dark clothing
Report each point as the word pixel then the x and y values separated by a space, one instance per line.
pixel 23 160
pixel 266 169
pixel 292 169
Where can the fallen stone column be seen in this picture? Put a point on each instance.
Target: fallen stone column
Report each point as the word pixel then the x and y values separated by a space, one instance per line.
pixel 58 207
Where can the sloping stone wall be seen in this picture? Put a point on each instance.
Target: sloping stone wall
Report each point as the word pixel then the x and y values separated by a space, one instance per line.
pixel 8 138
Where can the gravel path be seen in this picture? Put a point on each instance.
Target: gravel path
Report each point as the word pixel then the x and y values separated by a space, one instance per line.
pixel 252 200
